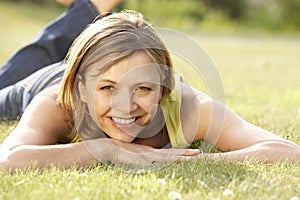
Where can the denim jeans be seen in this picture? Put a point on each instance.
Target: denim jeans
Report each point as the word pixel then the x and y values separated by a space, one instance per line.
pixel 32 69
pixel 15 98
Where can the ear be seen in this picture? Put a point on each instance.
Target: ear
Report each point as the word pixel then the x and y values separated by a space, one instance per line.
pixel 82 89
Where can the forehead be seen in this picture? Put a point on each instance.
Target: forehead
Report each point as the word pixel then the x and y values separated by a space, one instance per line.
pixel 138 66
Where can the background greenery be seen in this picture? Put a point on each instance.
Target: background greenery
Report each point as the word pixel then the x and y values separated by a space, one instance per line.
pixel 215 15
pixel 260 69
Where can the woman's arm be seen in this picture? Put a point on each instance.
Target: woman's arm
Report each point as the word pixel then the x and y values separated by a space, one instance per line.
pixel 43 122
pixel 267 151
pixel 228 132
pixel 89 152
pixel 34 143
pixel 43 156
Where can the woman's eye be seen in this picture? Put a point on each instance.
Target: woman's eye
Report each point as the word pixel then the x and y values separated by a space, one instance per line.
pixel 107 88
pixel 144 89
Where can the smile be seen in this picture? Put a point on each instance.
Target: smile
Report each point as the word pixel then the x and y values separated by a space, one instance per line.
pixel 122 121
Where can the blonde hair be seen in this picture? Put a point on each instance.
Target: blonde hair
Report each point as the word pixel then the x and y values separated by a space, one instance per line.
pixel 107 41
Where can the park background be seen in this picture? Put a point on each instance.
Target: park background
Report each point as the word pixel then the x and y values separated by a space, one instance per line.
pixel 255 46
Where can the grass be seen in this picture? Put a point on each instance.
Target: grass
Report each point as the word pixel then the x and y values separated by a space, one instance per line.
pixel 261 83
pixel 204 180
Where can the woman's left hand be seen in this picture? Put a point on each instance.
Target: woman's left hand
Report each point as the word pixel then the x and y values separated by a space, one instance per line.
pixel 122 153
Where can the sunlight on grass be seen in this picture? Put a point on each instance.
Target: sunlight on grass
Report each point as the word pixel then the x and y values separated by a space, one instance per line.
pixel 207 180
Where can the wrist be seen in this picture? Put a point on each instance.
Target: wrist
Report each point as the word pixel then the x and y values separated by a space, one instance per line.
pixel 100 149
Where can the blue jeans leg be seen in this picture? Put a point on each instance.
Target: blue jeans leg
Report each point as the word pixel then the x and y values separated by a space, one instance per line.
pixel 51 45
pixel 14 99
pixel 11 102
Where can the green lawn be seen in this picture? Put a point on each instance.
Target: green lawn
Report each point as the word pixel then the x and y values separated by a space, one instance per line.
pixel 260 80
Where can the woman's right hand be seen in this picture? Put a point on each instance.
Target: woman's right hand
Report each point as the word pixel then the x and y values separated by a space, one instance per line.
pixel 121 153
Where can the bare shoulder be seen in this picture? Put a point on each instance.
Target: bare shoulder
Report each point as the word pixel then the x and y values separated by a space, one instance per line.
pixel 46 115
pixel 43 122
pixel 189 93
pixel 190 110
pixel 206 119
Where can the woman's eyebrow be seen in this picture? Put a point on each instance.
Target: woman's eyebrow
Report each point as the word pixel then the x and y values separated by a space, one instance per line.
pixel 107 80
pixel 147 82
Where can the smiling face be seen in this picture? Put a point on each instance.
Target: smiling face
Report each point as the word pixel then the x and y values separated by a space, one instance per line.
pixel 124 99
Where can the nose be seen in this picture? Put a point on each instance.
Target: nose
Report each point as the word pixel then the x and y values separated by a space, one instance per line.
pixel 123 102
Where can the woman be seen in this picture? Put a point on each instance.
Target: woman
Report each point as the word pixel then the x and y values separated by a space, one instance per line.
pixel 119 101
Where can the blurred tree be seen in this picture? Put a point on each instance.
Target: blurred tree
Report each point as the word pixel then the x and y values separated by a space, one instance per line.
pixel 271 15
pixel 290 13
pixel 235 9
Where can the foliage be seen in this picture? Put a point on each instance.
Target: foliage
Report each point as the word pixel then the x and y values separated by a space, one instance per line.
pixel 214 15
pixel 270 15
pixel 234 9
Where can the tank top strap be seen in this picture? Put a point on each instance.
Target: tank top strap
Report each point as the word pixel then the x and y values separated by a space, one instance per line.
pixel 171 105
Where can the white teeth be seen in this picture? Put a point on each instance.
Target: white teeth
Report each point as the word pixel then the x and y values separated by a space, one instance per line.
pixel 123 121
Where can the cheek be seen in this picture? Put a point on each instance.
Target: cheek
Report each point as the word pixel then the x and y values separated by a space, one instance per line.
pixel 97 105
pixel 150 104
pixel 101 103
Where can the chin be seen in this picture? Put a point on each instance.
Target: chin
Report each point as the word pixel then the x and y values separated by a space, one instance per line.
pixel 125 139
pixel 129 140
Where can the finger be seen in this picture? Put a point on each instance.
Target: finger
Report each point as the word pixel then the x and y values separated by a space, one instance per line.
pixel 182 152
pixel 186 159
pixel 175 159
pixel 191 152
pixel 170 158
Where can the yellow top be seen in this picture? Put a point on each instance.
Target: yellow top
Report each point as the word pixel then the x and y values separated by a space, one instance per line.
pixel 170 105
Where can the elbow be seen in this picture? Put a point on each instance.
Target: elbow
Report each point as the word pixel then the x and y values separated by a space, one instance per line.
pixel 274 151
pixel 11 161
pixel 5 163
pixel 5 166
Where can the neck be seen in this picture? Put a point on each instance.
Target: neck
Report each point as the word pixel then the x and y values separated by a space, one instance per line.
pixel 155 134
